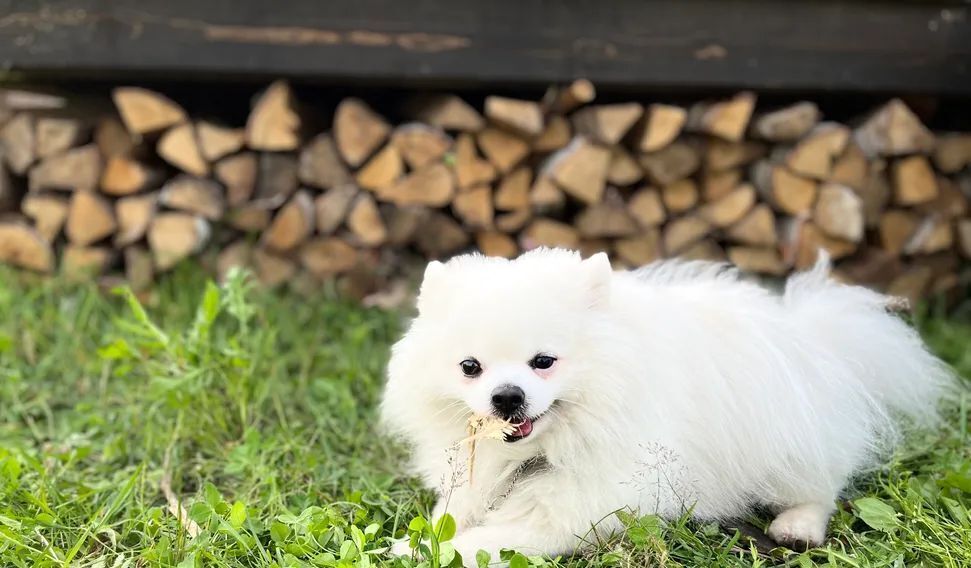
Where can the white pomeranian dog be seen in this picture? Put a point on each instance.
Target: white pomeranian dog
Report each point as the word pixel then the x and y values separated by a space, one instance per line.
pixel 677 387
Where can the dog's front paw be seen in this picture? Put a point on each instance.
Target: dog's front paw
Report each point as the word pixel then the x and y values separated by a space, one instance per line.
pixel 401 547
pixel 802 527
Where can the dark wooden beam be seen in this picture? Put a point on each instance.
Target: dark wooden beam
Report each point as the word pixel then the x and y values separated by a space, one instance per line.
pixel 850 45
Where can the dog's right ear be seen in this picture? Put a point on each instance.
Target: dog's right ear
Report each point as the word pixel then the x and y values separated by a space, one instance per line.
pixel 431 284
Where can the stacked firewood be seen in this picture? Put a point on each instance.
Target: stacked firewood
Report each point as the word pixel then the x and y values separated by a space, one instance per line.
pixel 142 188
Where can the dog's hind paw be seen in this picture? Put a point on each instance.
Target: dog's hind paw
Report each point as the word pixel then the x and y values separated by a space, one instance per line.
pixel 801 527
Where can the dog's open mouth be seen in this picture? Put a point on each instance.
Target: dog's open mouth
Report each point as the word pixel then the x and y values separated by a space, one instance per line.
pixel 523 429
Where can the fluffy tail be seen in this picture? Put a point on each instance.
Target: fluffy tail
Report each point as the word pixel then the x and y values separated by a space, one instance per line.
pixel 894 365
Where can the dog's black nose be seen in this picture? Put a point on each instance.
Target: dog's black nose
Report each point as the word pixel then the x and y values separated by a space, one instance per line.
pixel 508 399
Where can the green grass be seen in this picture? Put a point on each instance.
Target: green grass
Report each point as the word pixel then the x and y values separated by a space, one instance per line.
pixel 260 409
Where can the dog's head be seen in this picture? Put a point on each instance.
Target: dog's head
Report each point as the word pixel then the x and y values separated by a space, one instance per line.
pixel 494 336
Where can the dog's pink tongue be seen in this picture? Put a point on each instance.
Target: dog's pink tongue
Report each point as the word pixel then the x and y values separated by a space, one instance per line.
pixel 523 429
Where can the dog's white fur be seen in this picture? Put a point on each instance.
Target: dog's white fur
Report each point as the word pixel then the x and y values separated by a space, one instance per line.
pixel 677 387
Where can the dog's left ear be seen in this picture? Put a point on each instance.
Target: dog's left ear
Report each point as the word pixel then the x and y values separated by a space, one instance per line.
pixel 598 274
pixel 430 284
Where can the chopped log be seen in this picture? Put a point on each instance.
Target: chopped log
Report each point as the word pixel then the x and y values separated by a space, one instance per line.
pixel 639 250
pixel 18 142
pixel 839 212
pixel 705 249
pixel 590 247
pixel 852 168
pixel 894 130
pixel 963 229
pixel 238 174
pixel 249 218
pixel 623 169
pixel 271 269
pixel 607 124
pixel 358 131
pixel 49 212
pixel 606 220
pixel 113 139
pixel 562 100
pixel 683 232
pixel 440 235
pixel 403 223
pixel 503 149
pixel 276 179
pixel 802 240
pixel 660 126
pixel 726 119
pixel 447 111
pixel 914 181
pixel 89 219
pixel 911 285
pixel 55 135
pixel 494 243
pixel 675 162
pixel 646 208
pixel 757 228
pixel 238 254
pixel 784 190
pixel 556 134
pixel 78 262
pixel 950 202
pixel 787 124
pixel 382 170
pixel 763 260
pixel 432 186
pixel 470 169
pixel 22 245
pixel 125 176
pixel 875 194
pixel 548 233
pixel 513 190
pixel 325 256
pixel 520 116
pixel 815 155
pixel 513 221
pixel 76 169
pixel 932 235
pixel 953 152
pixel 332 208
pixel 895 229
pixel 173 237
pixel 715 185
pixel 545 195
pixel 365 223
pixel 474 207
pixel 580 169
pixel 420 144
pixel 730 208
pixel 179 147
pixel 292 225
pixel 216 141
pixel 871 266
pixel 139 270
pixel 134 215
pixel 321 165
pixel 721 155
pixel 144 111
pixel 273 124
pixel 9 192
pixel 680 196
pixel 194 195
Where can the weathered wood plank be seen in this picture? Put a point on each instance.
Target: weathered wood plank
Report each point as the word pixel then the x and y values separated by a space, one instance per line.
pixel 800 44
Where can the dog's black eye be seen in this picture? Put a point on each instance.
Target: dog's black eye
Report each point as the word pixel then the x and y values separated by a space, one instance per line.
pixel 471 368
pixel 542 362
